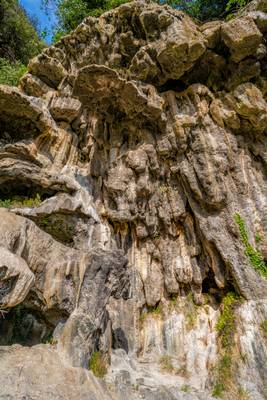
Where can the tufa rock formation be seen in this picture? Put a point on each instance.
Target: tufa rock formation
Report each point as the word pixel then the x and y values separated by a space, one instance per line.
pixel 133 166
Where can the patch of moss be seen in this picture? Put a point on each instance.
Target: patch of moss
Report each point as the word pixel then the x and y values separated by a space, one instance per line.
pixel 242 394
pixel 226 327
pixel 173 301
pixel 264 328
pixel 185 388
pixel 58 226
pixel 156 235
pixel 258 238
pixel 98 364
pixel 224 373
pixel 191 312
pixel 255 257
pixel 153 311
pixel 226 323
pixel 166 364
pixel 156 310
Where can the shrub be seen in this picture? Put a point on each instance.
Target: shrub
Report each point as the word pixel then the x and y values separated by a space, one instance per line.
pixel 255 257
pixel 98 364
pixel 20 201
pixel 10 74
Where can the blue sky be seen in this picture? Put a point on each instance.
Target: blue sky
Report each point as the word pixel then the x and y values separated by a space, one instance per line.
pixel 33 7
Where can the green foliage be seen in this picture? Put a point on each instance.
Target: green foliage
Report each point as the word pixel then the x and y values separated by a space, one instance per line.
pixel 255 257
pixel 21 201
pixel 166 364
pixel 226 328
pixel 258 238
pixel 224 374
pixel 206 10
pixel 59 226
pixel 98 364
pixel 10 73
pixel 264 327
pixel 70 13
pixel 226 323
pixel 19 40
pixel 234 5
pixel 185 388
pixel 153 311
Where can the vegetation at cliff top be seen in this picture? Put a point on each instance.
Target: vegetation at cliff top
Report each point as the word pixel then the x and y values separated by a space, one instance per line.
pixel 71 12
pixel 255 257
pixel 19 41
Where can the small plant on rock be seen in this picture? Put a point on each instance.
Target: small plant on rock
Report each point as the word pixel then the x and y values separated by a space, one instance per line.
pixel 185 388
pixel 226 323
pixel 264 328
pixel 191 314
pixel 226 328
pixel 166 364
pixel 98 364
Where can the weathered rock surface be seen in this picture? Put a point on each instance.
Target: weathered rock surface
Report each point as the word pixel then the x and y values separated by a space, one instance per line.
pixel 126 154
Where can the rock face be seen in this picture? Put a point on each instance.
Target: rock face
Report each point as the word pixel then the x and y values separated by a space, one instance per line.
pixel 133 167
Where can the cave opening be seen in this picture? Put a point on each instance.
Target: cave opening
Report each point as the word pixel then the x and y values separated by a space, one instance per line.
pixel 16 193
pixel 172 84
pixel 13 130
pixel 24 326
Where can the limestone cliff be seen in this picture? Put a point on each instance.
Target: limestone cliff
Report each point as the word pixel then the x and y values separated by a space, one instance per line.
pixel 133 219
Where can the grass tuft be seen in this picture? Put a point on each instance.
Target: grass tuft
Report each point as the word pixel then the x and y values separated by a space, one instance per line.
pixel 226 323
pixel 166 364
pixel 263 327
pixel 98 364
pixel 226 328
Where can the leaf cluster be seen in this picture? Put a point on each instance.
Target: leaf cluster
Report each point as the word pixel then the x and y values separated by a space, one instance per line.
pixel 10 73
pixel 255 257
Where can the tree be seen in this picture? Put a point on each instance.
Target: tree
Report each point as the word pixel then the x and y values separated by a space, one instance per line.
pixel 71 12
pixel 19 40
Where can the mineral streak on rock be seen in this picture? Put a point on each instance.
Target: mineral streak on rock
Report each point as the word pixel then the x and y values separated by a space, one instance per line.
pixel 141 135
